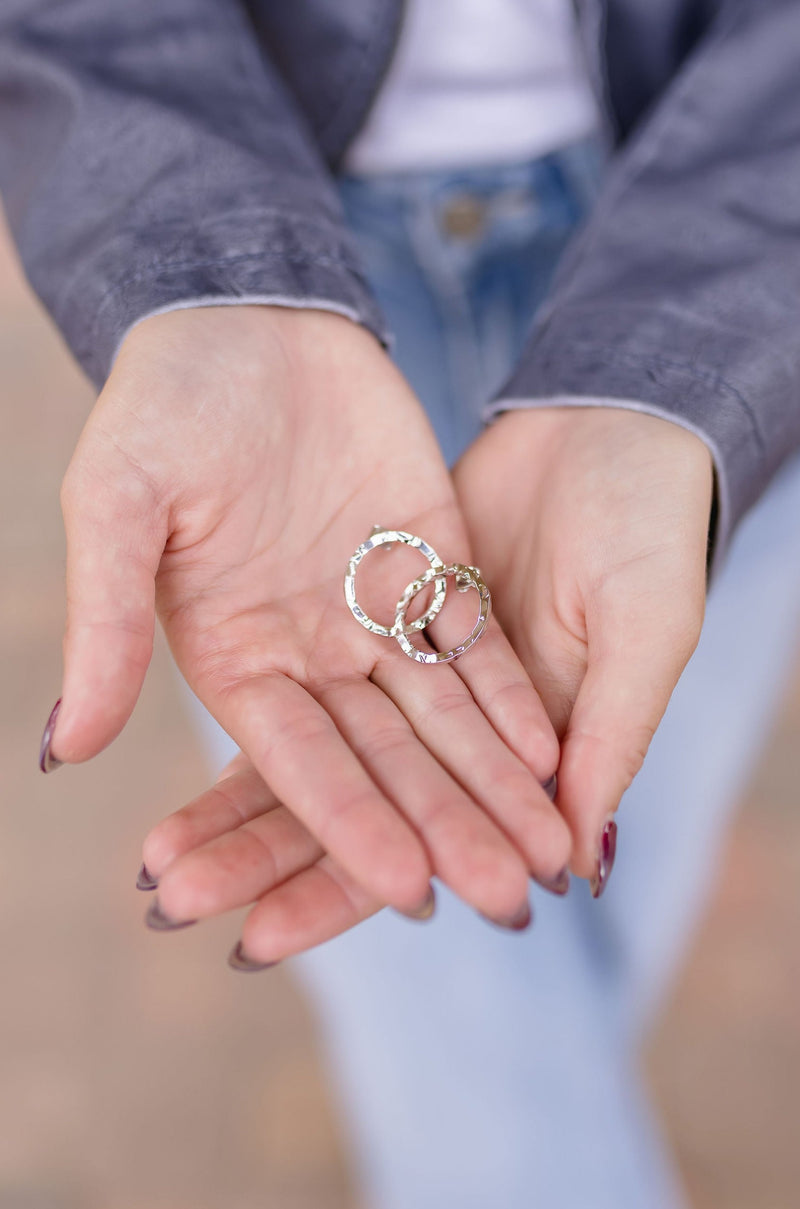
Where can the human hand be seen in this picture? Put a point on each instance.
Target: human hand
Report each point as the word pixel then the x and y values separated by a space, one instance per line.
pixel 235 845
pixel 591 526
pixel 233 462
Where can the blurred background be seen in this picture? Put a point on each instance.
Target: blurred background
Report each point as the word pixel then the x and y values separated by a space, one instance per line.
pixel 137 1071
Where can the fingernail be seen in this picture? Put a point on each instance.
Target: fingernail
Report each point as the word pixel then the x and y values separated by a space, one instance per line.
pixel 550 787
pixel 517 923
pixel 159 922
pixel 556 885
pixel 605 858
pixel 426 910
pixel 238 961
pixel 145 879
pixel 49 763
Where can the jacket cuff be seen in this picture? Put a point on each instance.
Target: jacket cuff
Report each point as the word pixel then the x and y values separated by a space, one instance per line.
pixel 278 261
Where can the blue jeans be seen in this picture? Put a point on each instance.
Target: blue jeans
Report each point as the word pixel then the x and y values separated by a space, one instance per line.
pixel 477 1069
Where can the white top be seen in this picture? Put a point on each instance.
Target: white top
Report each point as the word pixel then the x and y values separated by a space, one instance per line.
pixel 478 82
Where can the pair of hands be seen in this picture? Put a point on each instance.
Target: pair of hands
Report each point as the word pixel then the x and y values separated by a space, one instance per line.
pixel 233 462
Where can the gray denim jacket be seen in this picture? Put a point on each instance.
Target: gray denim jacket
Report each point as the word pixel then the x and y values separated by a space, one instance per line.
pixel 155 153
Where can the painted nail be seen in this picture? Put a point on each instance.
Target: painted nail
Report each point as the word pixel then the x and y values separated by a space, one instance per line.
pixel 238 961
pixel 518 923
pixel 556 885
pixel 605 858
pixel 550 787
pixel 425 911
pixel 159 922
pixel 145 879
pixel 49 763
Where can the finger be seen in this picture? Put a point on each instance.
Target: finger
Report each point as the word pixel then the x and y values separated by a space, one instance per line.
pixel 237 764
pixel 467 850
pixel 634 664
pixel 298 751
pixel 316 905
pixel 237 867
pixel 503 691
pixel 447 720
pixel 115 538
pixel 235 798
pixel 499 684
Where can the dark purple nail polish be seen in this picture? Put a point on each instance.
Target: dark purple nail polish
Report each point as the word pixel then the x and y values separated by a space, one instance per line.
pixel 49 763
pixel 238 961
pixel 551 787
pixel 145 879
pixel 159 922
pixel 605 858
pixel 425 911
pixel 556 885
pixel 517 923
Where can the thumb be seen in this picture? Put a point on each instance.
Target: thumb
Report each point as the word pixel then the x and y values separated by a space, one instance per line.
pixel 633 666
pixel 116 532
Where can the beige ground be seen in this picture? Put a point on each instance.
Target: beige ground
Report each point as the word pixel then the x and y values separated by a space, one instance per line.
pixel 136 1072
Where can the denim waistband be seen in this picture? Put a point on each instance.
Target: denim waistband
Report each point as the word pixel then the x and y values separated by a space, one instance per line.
pixel 576 168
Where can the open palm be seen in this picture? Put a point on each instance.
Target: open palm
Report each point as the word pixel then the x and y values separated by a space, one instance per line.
pixel 595 537
pixel 591 526
pixel 236 458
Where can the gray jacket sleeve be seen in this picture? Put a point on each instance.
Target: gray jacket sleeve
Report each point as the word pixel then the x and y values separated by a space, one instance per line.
pixel 681 296
pixel 149 156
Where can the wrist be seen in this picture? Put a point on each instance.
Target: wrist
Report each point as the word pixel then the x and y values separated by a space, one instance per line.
pixel 245 327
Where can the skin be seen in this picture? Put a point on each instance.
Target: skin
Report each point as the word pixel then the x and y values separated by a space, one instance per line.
pixel 233 462
pixel 595 538
pixel 591 526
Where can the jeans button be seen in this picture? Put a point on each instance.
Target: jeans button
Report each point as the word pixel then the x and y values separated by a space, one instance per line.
pixel 463 216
